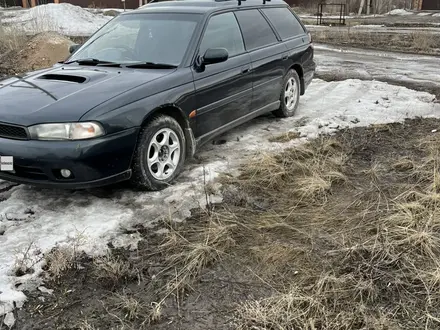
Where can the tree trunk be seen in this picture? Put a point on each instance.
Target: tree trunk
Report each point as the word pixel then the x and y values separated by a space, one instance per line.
pixel 361 7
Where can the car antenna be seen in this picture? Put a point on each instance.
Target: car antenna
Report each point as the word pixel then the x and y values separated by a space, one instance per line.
pixel 239 2
pixel 264 1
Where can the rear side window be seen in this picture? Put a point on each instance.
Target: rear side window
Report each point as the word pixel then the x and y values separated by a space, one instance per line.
pixel 256 31
pixel 284 22
pixel 223 32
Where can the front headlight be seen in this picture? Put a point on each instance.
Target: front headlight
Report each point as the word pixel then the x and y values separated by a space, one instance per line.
pixel 66 131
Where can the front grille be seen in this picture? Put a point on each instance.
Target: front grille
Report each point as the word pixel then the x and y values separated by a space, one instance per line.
pixel 13 132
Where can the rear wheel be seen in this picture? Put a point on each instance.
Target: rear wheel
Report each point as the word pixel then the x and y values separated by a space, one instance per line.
pixel 289 97
pixel 159 155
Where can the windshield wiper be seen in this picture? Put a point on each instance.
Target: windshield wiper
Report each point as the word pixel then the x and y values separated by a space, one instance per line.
pixel 93 61
pixel 151 65
pixel 140 65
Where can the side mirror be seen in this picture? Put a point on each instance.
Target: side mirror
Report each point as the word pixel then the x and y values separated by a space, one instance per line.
pixel 215 55
pixel 73 48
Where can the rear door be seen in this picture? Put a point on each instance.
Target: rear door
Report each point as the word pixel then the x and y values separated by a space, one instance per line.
pixel 223 90
pixel 268 55
pixel 294 36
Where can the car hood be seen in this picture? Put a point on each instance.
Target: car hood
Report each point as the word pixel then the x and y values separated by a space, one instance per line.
pixel 65 93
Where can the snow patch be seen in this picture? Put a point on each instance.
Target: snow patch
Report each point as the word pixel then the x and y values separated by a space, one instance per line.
pixel 399 12
pixel 63 18
pixel 436 15
pixel 103 10
pixel 372 26
pixel 9 320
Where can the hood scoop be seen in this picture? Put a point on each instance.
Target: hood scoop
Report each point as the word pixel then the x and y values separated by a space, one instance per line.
pixel 63 77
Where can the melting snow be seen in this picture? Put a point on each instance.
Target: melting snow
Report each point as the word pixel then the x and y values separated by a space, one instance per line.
pixel 368 26
pixel 346 62
pixel 399 12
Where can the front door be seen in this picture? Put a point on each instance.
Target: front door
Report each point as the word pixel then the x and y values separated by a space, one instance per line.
pixel 223 90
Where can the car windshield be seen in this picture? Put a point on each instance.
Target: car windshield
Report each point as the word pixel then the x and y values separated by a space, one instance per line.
pixel 140 38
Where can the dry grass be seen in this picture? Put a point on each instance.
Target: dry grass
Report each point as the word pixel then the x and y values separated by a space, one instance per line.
pixel 305 174
pixel 404 165
pixel 65 257
pixel 286 137
pixel 424 42
pixel 61 259
pixel 190 251
pixel 85 325
pixel 26 259
pixel 112 269
pixel 131 307
pixel 11 40
pixel 380 273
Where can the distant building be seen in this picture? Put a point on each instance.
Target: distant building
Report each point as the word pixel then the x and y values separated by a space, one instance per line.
pixel 426 4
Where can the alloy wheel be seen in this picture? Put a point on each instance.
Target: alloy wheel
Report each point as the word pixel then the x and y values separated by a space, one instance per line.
pixel 291 94
pixel 163 154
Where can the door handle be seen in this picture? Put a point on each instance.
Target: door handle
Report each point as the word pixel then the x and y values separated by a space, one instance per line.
pixel 245 69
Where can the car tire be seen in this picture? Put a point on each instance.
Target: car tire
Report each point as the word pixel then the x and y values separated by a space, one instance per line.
pixel 160 154
pixel 289 96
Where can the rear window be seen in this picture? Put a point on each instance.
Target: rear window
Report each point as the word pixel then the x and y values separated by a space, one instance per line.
pixel 284 21
pixel 256 31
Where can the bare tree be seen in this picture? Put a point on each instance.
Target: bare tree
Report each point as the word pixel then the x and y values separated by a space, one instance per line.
pixel 361 7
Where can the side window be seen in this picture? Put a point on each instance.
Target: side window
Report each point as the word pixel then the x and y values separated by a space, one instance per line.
pixel 223 32
pixel 256 31
pixel 284 22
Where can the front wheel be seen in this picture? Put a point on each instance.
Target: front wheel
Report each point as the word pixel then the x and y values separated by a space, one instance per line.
pixel 289 97
pixel 159 155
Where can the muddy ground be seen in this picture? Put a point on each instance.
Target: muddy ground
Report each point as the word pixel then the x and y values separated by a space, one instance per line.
pixel 415 42
pixel 340 234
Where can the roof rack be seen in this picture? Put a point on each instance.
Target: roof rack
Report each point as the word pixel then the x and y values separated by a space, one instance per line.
pixel 239 1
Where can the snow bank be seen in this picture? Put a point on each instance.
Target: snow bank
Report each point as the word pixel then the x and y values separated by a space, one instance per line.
pixel 368 26
pixel 102 10
pixel 36 220
pixel 399 12
pixel 63 18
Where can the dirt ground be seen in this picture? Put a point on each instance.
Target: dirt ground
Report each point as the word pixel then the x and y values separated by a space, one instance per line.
pixel 21 54
pixel 341 233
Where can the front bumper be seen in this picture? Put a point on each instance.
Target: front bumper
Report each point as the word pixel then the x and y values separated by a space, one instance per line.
pixel 94 163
